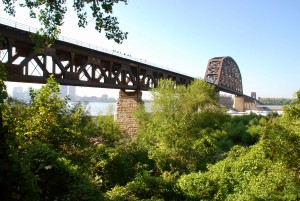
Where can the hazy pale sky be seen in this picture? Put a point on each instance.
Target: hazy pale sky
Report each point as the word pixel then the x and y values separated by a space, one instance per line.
pixel 263 37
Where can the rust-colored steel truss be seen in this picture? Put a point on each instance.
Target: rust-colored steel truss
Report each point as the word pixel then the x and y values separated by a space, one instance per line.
pixel 225 74
pixel 76 65
pixel 73 64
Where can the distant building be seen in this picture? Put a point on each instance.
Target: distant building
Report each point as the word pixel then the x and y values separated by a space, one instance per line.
pixel 26 95
pixel 68 91
pixel 63 91
pixel 72 92
pixel 253 95
pixel 18 93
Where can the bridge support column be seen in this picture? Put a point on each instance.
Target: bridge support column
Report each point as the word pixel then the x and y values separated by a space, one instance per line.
pixel 249 105
pixel 238 103
pixel 127 103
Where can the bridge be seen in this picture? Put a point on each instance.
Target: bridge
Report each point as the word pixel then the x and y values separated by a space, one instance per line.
pixel 79 64
pixel 75 63
pixel 224 73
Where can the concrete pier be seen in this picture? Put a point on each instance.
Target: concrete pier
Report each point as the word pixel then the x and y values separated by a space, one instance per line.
pixel 127 103
pixel 238 103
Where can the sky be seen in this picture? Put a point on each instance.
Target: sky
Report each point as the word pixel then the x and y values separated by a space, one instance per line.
pixel 263 37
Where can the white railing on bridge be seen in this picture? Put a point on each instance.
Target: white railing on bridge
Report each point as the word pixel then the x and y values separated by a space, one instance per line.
pixel 31 29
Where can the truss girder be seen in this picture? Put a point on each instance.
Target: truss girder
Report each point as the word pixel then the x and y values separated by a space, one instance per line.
pixel 75 65
pixel 225 74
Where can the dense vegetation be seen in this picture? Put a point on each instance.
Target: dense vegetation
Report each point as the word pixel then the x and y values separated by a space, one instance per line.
pixel 187 148
pixel 275 101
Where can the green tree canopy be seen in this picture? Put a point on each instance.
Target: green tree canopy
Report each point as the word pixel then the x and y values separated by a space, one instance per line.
pixel 179 131
pixel 51 14
pixel 268 170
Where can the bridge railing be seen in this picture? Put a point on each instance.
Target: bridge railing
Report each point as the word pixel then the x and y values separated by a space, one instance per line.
pixel 31 29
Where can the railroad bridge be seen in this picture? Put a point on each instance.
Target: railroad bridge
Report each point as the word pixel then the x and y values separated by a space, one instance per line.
pixel 78 64
pixel 224 73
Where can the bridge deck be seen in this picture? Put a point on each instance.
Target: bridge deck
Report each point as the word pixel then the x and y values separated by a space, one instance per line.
pixel 74 64
pixel 80 64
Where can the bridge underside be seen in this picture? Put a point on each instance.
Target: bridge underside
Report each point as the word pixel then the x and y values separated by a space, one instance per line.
pixel 72 64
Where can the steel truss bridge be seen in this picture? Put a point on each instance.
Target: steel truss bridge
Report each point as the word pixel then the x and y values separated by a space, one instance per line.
pixel 79 64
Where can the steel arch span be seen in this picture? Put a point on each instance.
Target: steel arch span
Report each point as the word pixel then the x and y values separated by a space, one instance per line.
pixel 225 74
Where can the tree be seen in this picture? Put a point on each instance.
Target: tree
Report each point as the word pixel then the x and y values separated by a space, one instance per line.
pixel 179 133
pixel 240 130
pixel 50 157
pixel 147 187
pixel 5 183
pixel 51 14
pixel 292 112
pixel 268 170
pixel 246 174
pixel 4 160
pixel 49 119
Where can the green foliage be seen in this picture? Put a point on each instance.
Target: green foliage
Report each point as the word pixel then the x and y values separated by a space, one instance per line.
pixel 46 144
pixel 241 130
pixel 3 77
pixel 42 41
pixel 147 187
pixel 291 115
pixel 5 161
pixel 118 165
pixel 109 130
pixel 179 131
pixel 21 181
pixel 187 148
pixel 49 119
pixel 198 186
pixel 3 92
pixel 51 15
pixel 56 177
pixel 246 174
pixel 268 170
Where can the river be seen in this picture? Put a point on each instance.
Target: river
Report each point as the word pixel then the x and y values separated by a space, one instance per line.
pixel 102 108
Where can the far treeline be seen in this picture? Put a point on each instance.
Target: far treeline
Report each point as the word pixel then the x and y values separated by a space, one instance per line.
pixel 227 101
pixel 275 101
